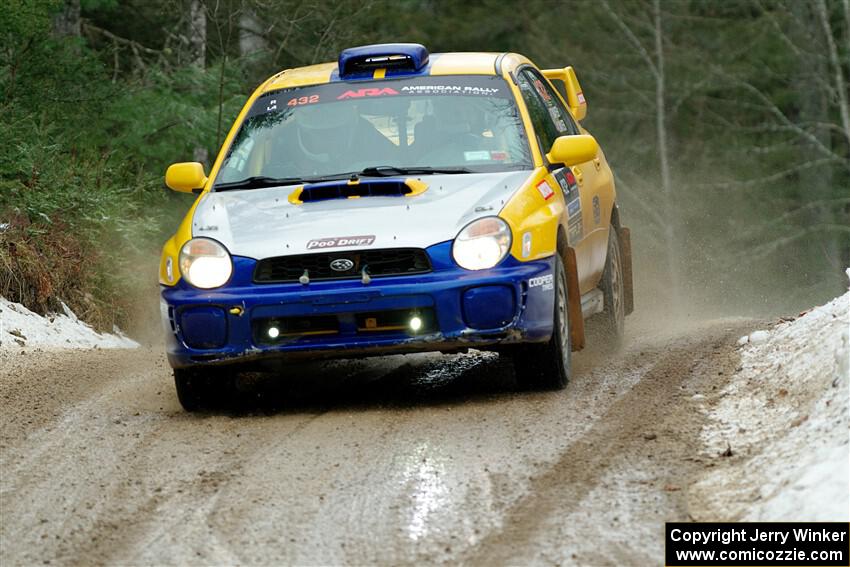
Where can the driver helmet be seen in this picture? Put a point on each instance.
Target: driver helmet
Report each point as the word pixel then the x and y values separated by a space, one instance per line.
pixel 321 128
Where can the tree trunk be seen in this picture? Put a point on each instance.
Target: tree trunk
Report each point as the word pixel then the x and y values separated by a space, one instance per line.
pixel 197 33
pixel 66 22
pixel 671 214
pixel 251 38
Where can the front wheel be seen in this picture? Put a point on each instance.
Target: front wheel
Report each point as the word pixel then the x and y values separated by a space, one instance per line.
pixel 204 388
pixel 547 366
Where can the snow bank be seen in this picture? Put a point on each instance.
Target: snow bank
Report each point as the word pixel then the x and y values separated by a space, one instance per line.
pixel 786 420
pixel 20 327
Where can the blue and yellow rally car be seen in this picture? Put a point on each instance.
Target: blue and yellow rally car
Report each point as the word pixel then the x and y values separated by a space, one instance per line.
pixel 396 201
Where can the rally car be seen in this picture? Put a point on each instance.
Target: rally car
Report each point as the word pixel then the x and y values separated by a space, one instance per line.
pixel 396 201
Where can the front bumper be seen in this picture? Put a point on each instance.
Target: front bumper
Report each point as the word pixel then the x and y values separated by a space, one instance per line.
pixel 510 303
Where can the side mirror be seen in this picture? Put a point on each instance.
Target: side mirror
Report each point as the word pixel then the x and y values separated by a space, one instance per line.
pixel 573 150
pixel 566 82
pixel 186 177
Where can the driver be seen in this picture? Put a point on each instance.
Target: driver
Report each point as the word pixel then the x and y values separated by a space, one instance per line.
pixel 333 136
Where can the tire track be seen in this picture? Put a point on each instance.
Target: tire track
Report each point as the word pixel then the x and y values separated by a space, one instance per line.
pixel 657 403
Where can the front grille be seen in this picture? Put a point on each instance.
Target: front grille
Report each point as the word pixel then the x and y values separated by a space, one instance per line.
pixel 378 263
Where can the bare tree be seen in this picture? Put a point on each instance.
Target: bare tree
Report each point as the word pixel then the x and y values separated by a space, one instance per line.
pixel 655 61
pixel 251 38
pixel 197 44
pixel 835 63
pixel 196 33
pixel 813 129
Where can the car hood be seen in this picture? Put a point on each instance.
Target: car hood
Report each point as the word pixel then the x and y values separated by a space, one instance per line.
pixel 262 223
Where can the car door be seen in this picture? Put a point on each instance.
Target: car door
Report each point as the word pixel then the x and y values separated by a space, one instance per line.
pixel 580 184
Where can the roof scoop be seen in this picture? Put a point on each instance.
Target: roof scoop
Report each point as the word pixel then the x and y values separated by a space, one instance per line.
pixel 358 61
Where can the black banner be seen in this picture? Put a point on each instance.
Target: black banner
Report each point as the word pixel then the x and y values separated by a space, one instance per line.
pixel 761 544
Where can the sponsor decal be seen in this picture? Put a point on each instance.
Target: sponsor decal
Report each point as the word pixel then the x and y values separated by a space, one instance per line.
pixel 567 181
pixel 449 89
pixel 545 190
pixel 341 265
pixel 574 204
pixel 498 156
pixel 481 155
pixel 341 242
pixel 576 230
pixel 546 282
pixel 555 115
pixel 565 188
pixel 360 93
pixel 544 92
pixel 290 98
pixel 580 97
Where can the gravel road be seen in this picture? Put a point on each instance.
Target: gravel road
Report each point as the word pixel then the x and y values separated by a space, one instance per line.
pixel 398 460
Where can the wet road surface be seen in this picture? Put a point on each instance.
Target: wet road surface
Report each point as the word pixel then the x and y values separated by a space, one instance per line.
pixel 397 460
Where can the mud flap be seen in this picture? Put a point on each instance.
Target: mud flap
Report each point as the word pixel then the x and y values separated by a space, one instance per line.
pixel 626 250
pixel 574 300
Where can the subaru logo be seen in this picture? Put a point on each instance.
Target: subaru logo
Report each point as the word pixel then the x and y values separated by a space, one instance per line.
pixel 341 265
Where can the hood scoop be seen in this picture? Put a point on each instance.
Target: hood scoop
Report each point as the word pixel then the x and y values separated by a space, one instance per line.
pixel 355 189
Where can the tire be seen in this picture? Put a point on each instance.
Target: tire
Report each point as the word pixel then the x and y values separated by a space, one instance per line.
pixel 614 313
pixel 547 366
pixel 204 388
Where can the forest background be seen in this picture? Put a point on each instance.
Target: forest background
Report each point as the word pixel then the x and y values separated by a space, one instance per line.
pixel 727 124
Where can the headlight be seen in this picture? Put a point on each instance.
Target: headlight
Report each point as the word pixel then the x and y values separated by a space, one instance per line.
pixel 205 263
pixel 482 244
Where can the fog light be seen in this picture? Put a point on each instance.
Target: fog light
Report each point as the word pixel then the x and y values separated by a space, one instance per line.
pixel 274 332
pixel 415 324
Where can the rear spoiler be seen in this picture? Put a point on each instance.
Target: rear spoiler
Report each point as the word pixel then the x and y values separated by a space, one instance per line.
pixel 566 82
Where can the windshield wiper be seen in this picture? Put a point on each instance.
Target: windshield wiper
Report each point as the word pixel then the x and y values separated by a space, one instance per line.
pixel 260 181
pixel 391 170
pixel 257 182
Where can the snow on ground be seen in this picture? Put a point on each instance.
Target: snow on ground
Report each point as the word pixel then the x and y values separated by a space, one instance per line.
pixel 20 327
pixel 785 418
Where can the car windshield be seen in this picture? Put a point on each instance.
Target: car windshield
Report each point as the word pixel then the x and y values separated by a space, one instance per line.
pixel 434 124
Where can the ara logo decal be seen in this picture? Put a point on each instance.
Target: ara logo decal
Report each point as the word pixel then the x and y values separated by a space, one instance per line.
pixel 360 93
pixel 341 241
